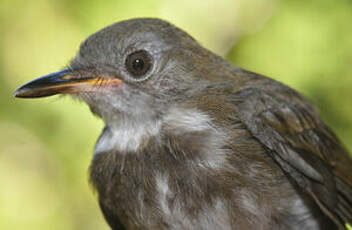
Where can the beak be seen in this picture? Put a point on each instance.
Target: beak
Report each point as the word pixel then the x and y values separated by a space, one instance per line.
pixel 59 83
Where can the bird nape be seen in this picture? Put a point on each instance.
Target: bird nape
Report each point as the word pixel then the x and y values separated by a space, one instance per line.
pixel 193 142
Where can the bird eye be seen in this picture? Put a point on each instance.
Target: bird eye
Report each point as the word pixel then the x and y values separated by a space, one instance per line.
pixel 138 63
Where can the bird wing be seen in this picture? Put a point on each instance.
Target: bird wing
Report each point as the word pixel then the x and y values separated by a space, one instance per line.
pixel 303 146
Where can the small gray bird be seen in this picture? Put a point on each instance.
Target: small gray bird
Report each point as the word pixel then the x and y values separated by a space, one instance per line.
pixel 193 142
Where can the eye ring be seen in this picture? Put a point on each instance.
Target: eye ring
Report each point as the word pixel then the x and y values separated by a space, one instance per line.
pixel 138 63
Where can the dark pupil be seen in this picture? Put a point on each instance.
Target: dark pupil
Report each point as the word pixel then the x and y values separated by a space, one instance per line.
pixel 138 65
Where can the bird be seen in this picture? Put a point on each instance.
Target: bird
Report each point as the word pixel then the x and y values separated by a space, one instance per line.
pixel 193 142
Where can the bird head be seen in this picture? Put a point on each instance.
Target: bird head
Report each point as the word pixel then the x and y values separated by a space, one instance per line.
pixel 135 68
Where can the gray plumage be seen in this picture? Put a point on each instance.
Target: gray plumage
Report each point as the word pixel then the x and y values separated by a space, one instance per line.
pixel 196 143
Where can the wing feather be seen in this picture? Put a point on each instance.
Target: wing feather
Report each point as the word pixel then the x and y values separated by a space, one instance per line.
pixel 304 147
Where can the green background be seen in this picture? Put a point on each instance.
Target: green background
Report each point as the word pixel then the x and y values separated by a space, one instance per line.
pixel 46 144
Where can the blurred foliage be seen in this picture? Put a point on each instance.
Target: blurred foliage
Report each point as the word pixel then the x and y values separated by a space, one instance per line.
pixel 46 144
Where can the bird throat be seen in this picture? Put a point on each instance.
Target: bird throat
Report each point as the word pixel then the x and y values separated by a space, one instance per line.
pixel 127 136
pixel 131 134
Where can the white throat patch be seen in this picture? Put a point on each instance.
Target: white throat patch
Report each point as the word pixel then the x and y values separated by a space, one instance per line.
pixel 126 137
pixel 187 120
pixel 129 135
